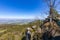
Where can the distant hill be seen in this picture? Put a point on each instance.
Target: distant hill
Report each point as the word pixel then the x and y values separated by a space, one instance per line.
pixel 15 21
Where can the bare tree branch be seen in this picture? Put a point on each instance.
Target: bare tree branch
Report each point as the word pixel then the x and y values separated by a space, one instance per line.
pixel 54 2
pixel 47 2
pixel 57 4
pixel 46 13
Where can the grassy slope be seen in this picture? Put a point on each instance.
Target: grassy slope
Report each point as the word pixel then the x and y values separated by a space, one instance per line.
pixel 14 32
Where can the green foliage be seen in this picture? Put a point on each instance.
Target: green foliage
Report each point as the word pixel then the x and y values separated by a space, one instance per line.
pixel 18 30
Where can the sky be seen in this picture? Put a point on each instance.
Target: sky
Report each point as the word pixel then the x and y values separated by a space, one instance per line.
pixel 23 9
